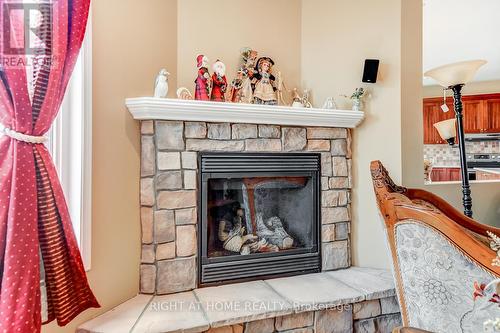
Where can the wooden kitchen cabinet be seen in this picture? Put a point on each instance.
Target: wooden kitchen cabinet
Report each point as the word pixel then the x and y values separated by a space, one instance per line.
pixel 481 115
pixel 439 174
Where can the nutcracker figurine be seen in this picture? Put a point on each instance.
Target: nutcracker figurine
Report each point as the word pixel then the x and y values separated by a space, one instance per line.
pixel 202 89
pixel 219 82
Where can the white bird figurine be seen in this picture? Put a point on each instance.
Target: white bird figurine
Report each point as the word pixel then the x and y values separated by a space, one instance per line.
pixel 161 84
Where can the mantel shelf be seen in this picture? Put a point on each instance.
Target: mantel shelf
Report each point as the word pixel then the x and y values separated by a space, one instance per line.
pixel 150 108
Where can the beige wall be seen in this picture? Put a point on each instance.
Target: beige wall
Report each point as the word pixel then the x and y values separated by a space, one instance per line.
pixel 337 36
pixel 220 28
pixel 131 41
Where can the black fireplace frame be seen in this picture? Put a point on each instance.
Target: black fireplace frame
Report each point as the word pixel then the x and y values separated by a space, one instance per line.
pixel 230 269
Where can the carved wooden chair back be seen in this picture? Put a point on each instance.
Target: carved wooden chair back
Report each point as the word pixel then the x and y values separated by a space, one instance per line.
pixel 437 254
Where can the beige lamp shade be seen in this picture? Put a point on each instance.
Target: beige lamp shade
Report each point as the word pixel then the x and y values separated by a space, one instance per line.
pixel 447 128
pixel 456 73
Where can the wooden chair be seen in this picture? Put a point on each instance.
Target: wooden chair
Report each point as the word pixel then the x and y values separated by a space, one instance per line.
pixel 438 254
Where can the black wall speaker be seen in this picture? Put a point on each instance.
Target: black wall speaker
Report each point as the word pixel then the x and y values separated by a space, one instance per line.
pixel 370 71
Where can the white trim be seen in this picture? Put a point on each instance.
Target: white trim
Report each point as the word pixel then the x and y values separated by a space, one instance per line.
pixel 143 108
pixel 86 204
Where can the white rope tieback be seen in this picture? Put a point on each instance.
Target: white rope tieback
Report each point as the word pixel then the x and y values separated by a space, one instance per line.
pixel 22 137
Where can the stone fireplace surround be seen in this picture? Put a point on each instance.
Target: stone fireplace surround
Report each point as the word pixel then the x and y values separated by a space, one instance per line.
pixel 340 299
pixel 169 190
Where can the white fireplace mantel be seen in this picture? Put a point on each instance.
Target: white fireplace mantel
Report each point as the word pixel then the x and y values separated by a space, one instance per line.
pixel 147 108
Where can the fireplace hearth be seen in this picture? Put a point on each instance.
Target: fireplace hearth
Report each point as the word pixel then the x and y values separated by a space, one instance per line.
pixel 259 215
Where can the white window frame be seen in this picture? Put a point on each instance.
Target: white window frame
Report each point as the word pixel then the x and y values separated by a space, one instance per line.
pixel 70 143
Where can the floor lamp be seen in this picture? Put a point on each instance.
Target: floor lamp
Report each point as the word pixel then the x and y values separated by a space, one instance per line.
pixel 453 77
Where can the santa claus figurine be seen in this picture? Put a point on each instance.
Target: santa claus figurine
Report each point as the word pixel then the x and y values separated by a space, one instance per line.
pixel 202 89
pixel 219 82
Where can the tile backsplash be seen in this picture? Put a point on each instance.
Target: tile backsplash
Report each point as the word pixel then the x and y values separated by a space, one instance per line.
pixel 446 155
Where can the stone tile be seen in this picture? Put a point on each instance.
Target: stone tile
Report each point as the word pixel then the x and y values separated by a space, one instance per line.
pixel 195 130
pixel 318 145
pixel 349 170
pixel 324 183
pixel 169 161
pixel 118 320
pixel 147 192
pixel 333 198
pixel 147 127
pixel 176 275
pixel 301 330
pixel 238 328
pixel 244 131
pixel 262 145
pixel 339 147
pixel 185 216
pixel 147 225
pixel 373 283
pixel 148 279
pixel 164 226
pixel 342 230
pixel 296 320
pixel 260 326
pixel 189 160
pixel 314 291
pixel 340 166
pixel 335 255
pixel 338 183
pixel 147 254
pixel 165 251
pixel 148 159
pixel 365 326
pixel 190 179
pixel 349 144
pixel 169 135
pixel 169 180
pixel 366 309
pixel 389 305
pixel 294 138
pixel 214 145
pixel 334 214
pixel 334 320
pixel 326 133
pixel 388 323
pixel 173 313
pixel 326 165
pixel 221 131
pixel 247 301
pixel 185 240
pixel 176 199
pixel 328 233
pixel 269 131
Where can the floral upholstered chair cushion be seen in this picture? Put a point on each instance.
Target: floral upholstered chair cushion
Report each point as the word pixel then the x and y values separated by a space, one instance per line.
pixel 438 282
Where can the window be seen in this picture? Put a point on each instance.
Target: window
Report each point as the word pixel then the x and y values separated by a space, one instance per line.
pixel 70 143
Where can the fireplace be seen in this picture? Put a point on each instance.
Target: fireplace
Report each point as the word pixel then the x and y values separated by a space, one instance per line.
pixel 259 215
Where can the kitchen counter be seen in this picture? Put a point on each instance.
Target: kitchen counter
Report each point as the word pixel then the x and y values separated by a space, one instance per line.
pixel 495 171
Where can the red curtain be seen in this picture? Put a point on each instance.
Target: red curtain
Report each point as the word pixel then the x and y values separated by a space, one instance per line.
pixel 34 218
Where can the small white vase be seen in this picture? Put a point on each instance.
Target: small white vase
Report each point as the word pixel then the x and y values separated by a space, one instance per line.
pixel 356 104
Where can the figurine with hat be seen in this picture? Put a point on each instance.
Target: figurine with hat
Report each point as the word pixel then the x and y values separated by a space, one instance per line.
pixel 219 82
pixel 202 88
pixel 263 82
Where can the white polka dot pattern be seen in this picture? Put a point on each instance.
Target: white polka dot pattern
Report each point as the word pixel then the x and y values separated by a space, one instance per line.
pixel 34 217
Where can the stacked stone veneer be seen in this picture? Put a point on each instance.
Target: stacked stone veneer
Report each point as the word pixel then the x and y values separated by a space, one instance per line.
pixel 169 151
pixel 373 316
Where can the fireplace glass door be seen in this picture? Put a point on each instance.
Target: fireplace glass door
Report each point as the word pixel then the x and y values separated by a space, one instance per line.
pixel 259 220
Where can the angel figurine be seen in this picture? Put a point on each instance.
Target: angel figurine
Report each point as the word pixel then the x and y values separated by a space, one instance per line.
pixel 264 90
pixel 202 89
pixel 219 82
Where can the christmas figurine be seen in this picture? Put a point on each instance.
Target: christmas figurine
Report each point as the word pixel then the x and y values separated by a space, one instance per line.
pixel 263 82
pixel 241 87
pixel 219 82
pixel 202 89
